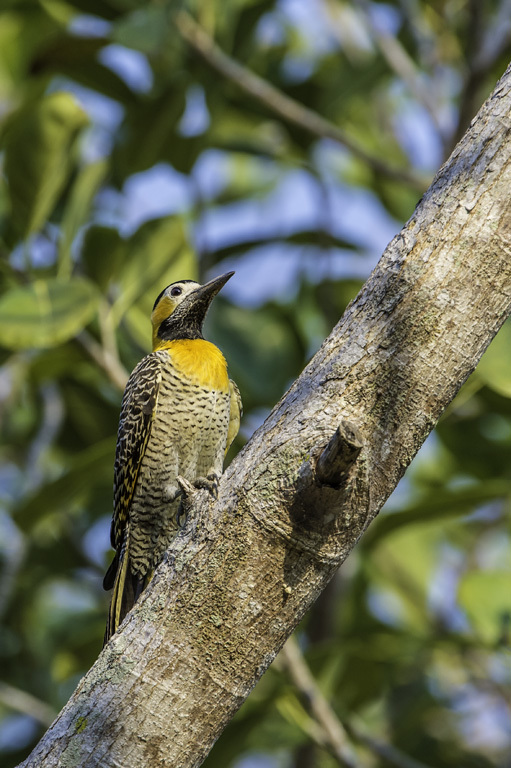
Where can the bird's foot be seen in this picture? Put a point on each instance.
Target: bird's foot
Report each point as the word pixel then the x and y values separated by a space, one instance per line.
pixel 209 483
pixel 188 489
pixel 181 516
pixel 185 491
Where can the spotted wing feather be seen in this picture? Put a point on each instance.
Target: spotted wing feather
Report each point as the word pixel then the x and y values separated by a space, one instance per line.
pixel 137 413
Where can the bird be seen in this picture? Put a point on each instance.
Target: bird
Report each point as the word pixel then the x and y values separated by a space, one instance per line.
pixel 180 413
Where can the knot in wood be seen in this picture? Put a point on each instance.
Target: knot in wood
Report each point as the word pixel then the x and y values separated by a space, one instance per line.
pixel 339 455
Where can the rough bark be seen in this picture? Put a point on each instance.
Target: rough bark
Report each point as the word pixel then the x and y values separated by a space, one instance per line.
pixel 246 568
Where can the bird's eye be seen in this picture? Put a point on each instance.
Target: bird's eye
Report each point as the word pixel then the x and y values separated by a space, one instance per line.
pixel 176 291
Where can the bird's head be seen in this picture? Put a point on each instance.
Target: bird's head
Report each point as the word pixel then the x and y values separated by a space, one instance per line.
pixel 180 309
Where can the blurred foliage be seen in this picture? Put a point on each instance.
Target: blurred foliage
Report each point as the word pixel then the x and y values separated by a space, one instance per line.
pixel 127 163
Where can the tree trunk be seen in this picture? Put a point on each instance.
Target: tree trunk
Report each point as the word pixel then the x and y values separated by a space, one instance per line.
pixel 292 505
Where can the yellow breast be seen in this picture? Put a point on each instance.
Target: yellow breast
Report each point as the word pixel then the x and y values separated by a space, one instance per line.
pixel 200 361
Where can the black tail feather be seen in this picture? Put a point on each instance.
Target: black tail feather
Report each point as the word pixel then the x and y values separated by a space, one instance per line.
pixel 126 590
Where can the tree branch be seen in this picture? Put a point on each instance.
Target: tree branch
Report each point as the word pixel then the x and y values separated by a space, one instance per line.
pixel 339 455
pixel 21 701
pixel 382 749
pixel 335 735
pixel 280 104
pixel 484 48
pixel 246 567
pixel 404 67
pixel 104 357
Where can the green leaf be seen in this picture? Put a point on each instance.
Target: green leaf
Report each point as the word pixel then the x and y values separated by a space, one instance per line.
pixel 76 58
pixel 102 254
pixel 495 366
pixel 440 504
pixel 94 465
pixel 23 29
pixel 39 141
pixel 146 29
pixel 78 208
pixel 46 313
pixel 262 364
pixel 302 237
pixel 486 598
pixel 236 132
pixel 182 265
pixel 155 247
pixel 150 134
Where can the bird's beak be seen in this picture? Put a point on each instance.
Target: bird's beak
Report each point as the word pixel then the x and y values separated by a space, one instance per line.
pixel 203 296
pixel 212 287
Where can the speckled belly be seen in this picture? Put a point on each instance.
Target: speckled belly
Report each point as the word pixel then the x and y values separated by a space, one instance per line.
pixel 188 438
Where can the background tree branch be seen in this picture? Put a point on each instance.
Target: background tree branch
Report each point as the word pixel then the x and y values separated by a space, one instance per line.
pixel 331 732
pixel 244 570
pixel 282 105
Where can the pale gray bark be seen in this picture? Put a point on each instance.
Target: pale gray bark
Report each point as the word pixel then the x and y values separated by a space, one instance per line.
pixel 246 568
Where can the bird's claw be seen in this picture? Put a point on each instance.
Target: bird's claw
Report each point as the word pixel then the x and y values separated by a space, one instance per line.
pixel 186 486
pixel 186 489
pixel 181 516
pixel 209 483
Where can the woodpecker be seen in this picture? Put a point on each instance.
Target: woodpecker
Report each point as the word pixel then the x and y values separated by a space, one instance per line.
pixel 180 413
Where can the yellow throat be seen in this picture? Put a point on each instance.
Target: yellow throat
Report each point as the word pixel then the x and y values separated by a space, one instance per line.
pixel 198 360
